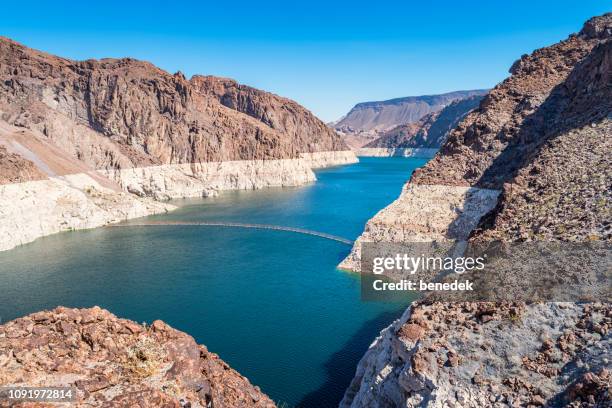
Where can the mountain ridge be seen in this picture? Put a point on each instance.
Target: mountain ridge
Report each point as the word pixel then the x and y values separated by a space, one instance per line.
pixel 383 115
pixel 429 98
pixel 431 130
pixel 182 123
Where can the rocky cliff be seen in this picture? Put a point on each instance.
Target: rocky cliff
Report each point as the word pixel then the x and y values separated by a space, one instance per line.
pixel 305 131
pixel 137 114
pixel 119 363
pixel 131 131
pixel 531 164
pixel 518 115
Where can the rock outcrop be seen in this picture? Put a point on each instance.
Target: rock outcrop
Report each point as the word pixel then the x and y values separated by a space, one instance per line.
pixel 488 355
pixel 533 164
pixel 116 362
pixel 425 213
pixel 132 132
pixel 16 169
pixel 305 132
pixel 519 114
pixel 508 132
pixel 560 190
pixel 138 115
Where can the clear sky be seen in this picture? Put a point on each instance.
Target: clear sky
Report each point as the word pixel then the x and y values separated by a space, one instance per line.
pixel 327 55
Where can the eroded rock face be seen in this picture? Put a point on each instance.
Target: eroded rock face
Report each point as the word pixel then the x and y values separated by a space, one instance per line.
pixel 15 169
pixel 493 142
pixel 37 208
pixel 119 363
pixel 540 142
pixel 488 355
pixel 562 192
pixel 307 133
pixel 526 148
pixel 138 132
pixel 425 213
pixel 150 116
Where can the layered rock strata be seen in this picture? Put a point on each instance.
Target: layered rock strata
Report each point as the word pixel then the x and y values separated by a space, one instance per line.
pixel 425 213
pixel 318 160
pixel 206 179
pixel 116 362
pixel 538 149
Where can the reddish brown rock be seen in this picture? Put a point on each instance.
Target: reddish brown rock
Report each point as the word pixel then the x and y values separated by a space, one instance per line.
pixel 515 117
pixel 412 332
pixel 562 192
pixel 307 133
pixel 15 169
pixel 121 113
pixel 115 362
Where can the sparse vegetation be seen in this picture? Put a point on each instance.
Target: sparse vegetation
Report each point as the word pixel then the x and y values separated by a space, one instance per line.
pixel 144 358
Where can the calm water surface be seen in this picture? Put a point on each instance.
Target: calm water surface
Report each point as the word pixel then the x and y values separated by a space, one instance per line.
pixel 270 303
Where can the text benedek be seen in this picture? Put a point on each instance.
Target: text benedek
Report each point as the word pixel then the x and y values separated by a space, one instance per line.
pixel 404 284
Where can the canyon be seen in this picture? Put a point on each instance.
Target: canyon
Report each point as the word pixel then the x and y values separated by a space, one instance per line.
pixel 86 143
pixel 530 164
pixel 225 285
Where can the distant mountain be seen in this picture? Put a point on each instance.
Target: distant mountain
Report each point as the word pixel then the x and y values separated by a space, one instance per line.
pixel 431 130
pixel 384 115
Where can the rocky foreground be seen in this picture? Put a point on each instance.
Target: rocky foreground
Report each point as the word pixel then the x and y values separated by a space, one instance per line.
pixel 531 164
pixel 115 362
pixel 489 355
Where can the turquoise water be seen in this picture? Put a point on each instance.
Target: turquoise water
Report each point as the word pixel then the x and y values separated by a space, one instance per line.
pixel 270 303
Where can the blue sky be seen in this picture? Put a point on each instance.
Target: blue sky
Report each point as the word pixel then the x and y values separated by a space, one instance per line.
pixel 327 55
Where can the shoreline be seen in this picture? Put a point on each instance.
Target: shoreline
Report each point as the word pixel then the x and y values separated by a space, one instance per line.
pixel 423 153
pixel 34 209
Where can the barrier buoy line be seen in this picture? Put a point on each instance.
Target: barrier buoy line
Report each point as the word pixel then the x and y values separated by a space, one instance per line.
pixel 238 225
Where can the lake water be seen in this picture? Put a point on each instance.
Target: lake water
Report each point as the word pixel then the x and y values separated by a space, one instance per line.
pixel 270 303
